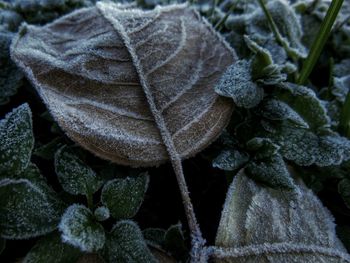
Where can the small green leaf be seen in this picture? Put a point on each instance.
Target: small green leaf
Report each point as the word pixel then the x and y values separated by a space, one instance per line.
pixel 124 196
pixel 175 242
pixel 230 160
pixel 125 244
pixel 51 249
pixel 154 236
pixel 27 209
pixel 271 172
pixel 2 245
pixel 102 213
pixel 74 175
pixel 237 83
pixel 80 229
pixel 47 151
pixel 16 141
pixel 344 190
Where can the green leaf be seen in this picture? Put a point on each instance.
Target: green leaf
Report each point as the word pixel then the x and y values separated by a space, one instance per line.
pixel 79 229
pixel 237 83
pixel 28 208
pixel 174 242
pixel 125 244
pixel 102 213
pixel 271 172
pixel 74 175
pixel 280 111
pixel 305 102
pixel 124 196
pixel 154 236
pixel 230 160
pixel 16 141
pixel 305 148
pixel 2 245
pixel 10 76
pixel 320 41
pixel 47 151
pixel 51 249
pixel 262 147
pixel 344 190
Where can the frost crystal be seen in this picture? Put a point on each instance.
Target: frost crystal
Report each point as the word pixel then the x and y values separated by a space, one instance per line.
pixel 74 175
pixel 124 196
pixel 28 207
pixel 125 243
pixel 230 160
pixel 17 140
pixel 51 249
pixel 79 229
pixel 237 83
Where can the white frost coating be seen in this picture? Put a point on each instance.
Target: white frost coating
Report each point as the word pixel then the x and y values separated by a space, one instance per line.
pixel 80 230
pixel 271 226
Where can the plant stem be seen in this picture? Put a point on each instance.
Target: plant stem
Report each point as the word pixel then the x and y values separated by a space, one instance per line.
pixel 344 123
pixel 215 3
pixel 90 201
pixel 321 38
pixel 223 20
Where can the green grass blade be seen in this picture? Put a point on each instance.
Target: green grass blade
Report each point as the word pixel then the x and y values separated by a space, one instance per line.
pixel 344 123
pixel 320 41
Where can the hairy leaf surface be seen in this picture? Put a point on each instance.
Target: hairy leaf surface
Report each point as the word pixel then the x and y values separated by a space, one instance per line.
pixel 264 225
pixel 128 84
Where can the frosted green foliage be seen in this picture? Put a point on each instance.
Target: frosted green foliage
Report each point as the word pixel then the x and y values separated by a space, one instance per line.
pixel 51 249
pixel 305 102
pixel 10 76
pixel 74 175
pixel 17 140
pixel 124 196
pixel 28 208
pixel 341 87
pixel 125 244
pixel 305 148
pixel 230 160
pixel 80 229
pixel 10 20
pixel 2 245
pixel 264 70
pixel 344 190
pixel 102 213
pixel 174 242
pixel 237 83
pixel 263 147
pixel 154 236
pixel 342 68
pixel 281 111
pixel 271 172
pixel 47 151
pixel 287 22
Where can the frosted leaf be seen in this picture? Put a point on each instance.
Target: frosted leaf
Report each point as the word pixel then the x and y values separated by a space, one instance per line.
pixel 125 244
pixel 264 70
pixel 237 83
pixel 154 236
pixel 17 140
pixel 270 171
pixel 279 110
pixel 124 196
pixel 305 102
pixel 74 175
pixel 262 147
pixel 341 87
pixel 10 20
pixel 28 207
pixel 51 249
pixel 79 229
pixel 344 190
pixel 264 225
pixel 10 76
pixel 132 86
pixel 287 22
pixel 102 213
pixel 305 148
pixel 342 68
pixel 2 245
pixel 230 160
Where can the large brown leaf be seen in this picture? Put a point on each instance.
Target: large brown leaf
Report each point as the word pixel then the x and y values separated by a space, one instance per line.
pixel 264 225
pixel 130 85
